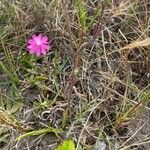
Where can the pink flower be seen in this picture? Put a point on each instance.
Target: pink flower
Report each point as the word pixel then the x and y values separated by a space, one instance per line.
pixel 38 44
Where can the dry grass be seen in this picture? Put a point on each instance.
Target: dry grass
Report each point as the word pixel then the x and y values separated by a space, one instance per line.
pixel 93 84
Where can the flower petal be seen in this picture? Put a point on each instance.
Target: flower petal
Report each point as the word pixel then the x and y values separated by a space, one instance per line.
pixel 43 52
pixel 45 40
pixel 30 41
pixel 30 47
pixel 38 51
pixel 34 37
pixel 39 36
pixel 32 51
pixel 45 47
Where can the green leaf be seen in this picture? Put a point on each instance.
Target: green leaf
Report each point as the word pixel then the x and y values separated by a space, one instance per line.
pixel 67 145
pixel 45 104
pixel 4 69
pixel 65 118
pixel 40 78
pixel 39 132
pixel 12 102
pixel 37 79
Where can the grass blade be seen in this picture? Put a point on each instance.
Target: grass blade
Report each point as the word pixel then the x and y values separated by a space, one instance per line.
pixel 82 13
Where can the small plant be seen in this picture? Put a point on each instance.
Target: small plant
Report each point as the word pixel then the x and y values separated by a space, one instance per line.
pixel 67 145
pixel 8 120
